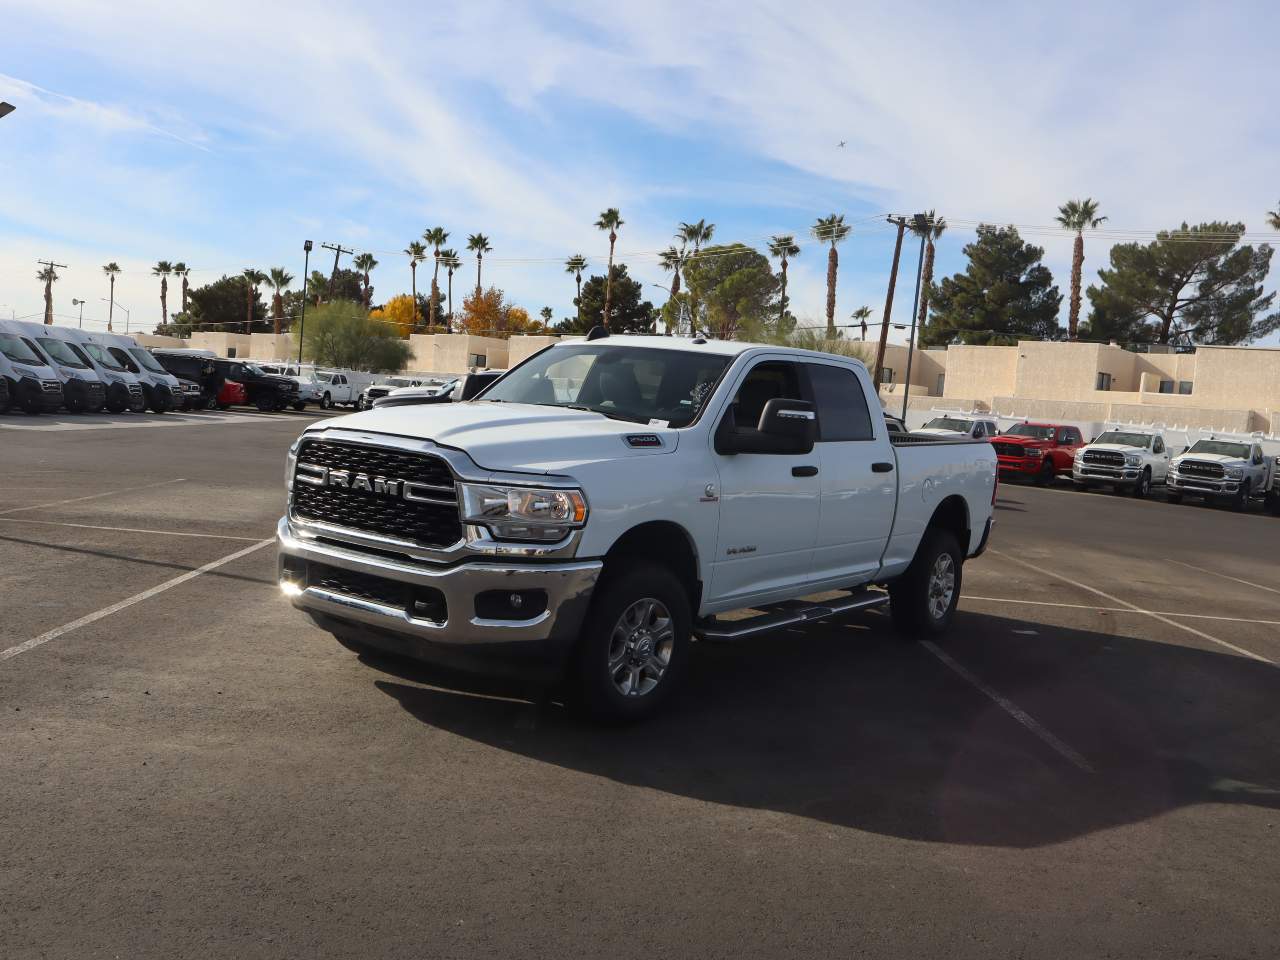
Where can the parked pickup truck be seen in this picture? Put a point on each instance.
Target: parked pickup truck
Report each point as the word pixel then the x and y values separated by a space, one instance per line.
pixel 609 499
pixel 1132 460
pixel 1037 451
pixel 1235 471
pixel 953 426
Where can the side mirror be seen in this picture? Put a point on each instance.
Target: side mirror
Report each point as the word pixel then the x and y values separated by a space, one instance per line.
pixel 785 427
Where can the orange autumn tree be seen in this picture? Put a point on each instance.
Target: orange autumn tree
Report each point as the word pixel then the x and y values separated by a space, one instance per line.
pixel 397 311
pixel 487 314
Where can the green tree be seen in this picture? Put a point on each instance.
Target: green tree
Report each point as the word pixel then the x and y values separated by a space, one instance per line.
pixel 417 252
pixel 610 221
pixel 340 334
pixel 347 285
pixel 279 278
pixel 738 288
pixel 221 305
pixel 112 270
pixel 628 312
pixel 1004 294
pixel 861 315
pixel 694 235
pixel 478 244
pixel 364 263
pixel 253 279
pixel 784 247
pixel 929 226
pixel 162 270
pixel 436 237
pixel 1076 215
pixel 1273 217
pixel 1197 282
pixel 831 230
pixel 575 265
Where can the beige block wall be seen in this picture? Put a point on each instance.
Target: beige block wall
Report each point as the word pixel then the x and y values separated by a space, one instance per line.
pixel 151 340
pixel 1237 377
pixel 521 347
pixel 222 343
pixel 980 372
pixel 453 352
pixel 268 346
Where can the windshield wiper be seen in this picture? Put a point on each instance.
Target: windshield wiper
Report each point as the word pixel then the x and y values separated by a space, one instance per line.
pixel 611 414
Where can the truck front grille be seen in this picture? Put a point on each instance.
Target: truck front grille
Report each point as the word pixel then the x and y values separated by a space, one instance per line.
pixel 1009 449
pixel 380 513
pixel 423 603
pixel 1106 458
pixel 51 386
pixel 1198 468
pixel 135 391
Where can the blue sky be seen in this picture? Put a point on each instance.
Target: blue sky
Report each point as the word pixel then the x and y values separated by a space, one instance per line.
pixel 225 134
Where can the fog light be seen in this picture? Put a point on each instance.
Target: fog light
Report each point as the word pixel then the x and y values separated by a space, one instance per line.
pixel 510 604
pixel 293 576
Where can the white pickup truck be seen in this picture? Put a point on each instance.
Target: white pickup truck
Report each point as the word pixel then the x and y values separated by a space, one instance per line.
pixel 608 500
pixel 1127 460
pixel 953 426
pixel 1236 471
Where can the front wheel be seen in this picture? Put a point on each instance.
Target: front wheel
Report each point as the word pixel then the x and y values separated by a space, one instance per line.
pixel 1143 485
pixel 299 406
pixel 1046 475
pixel 1240 502
pixel 265 404
pixel 923 600
pixel 117 398
pixel 632 653
pixel 326 401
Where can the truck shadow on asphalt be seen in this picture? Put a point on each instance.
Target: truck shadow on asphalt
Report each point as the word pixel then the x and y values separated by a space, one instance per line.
pixel 845 725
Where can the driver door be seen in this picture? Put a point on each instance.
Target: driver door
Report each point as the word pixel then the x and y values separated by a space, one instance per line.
pixel 769 502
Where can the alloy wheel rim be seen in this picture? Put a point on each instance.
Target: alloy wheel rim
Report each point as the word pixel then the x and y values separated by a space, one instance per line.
pixel 640 647
pixel 942 586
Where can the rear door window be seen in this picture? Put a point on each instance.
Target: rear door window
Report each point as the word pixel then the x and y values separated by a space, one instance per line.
pixel 841 403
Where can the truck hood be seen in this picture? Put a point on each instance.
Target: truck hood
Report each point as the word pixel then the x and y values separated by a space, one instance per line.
pixel 1222 458
pixel 1022 441
pixel 1114 448
pixel 513 436
pixel 940 432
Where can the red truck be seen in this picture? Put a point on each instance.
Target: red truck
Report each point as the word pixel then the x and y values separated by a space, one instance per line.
pixel 1037 451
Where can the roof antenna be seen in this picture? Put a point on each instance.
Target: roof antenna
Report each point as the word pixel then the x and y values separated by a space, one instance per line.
pixel 597 333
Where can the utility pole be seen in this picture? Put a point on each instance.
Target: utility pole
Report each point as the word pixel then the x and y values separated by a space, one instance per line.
pixel 922 223
pixel 888 301
pixel 338 250
pixel 302 323
pixel 48 288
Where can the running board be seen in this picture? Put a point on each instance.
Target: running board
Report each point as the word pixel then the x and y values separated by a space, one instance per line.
pixel 790 616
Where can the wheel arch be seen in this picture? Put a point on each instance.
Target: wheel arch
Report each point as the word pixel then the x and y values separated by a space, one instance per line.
pixel 664 542
pixel 952 515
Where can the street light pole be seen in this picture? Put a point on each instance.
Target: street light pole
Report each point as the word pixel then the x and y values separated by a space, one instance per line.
pixel 923 223
pixel 302 320
pixel 80 304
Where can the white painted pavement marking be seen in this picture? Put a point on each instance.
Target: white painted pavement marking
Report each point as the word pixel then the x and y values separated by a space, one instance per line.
pixel 159 533
pixel 1214 573
pixel 1136 609
pixel 1086 606
pixel 130 601
pixel 1018 714
pixel 52 424
pixel 92 496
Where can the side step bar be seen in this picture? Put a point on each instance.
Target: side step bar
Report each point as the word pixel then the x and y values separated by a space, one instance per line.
pixel 789 616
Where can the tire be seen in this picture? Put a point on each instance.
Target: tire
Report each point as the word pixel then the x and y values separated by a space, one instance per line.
pixel 265 404
pixel 326 401
pixel 1047 474
pixel 917 599
pixel 1240 502
pixel 117 398
pixel 1143 486
pixel 29 401
pixel 299 406
pixel 628 644
pixel 211 403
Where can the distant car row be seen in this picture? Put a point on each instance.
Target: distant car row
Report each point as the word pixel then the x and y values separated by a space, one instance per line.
pixel 1225 469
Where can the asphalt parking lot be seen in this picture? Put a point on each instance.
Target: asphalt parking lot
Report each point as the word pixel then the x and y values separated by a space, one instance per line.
pixel 1088 765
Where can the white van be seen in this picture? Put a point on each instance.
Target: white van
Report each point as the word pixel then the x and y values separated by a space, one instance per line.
pixel 33 384
pixel 161 389
pixel 124 389
pixel 82 389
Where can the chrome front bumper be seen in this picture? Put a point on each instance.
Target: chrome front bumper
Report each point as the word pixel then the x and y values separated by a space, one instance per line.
pixel 1105 474
pixel 1203 485
pixel 462 635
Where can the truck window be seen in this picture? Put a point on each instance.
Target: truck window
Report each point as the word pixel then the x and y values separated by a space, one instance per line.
pixel 1158 445
pixel 841 402
pixel 767 381
pixel 16 350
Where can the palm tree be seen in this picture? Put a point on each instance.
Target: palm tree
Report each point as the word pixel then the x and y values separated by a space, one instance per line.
pixel 436 237
pixel 1273 217
pixel 861 315
pixel 831 230
pixel 416 253
pixel 111 269
pixel 162 270
pixel 930 227
pixel 48 276
pixel 784 247
pixel 672 259
pixel 279 280
pixel 451 262
pixel 610 220
pixel 180 269
pixel 365 263
pixel 575 265
pixel 1076 215
pixel 253 278
pixel 694 235
pixel 479 244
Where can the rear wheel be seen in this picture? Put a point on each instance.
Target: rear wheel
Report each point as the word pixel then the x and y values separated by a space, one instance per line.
pixel 265 404
pixel 1143 486
pixel 923 600
pixel 632 653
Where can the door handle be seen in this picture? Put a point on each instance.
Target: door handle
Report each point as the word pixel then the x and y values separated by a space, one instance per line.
pixel 882 467
pixel 806 471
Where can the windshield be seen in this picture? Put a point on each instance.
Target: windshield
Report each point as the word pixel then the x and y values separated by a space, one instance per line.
pixel 102 358
pixel 146 360
pixel 17 350
pixel 1027 430
pixel 1222 448
pixel 1142 440
pixel 325 377
pixel 948 423
pixel 62 353
pixel 627 383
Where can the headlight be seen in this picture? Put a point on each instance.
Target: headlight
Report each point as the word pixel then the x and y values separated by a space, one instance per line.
pixel 1235 473
pixel 291 463
pixel 524 513
pixel 1132 459
pixel 1031 453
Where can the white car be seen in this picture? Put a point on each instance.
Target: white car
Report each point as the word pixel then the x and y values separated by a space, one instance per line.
pixel 1236 471
pixel 957 427
pixel 610 498
pixel 1133 460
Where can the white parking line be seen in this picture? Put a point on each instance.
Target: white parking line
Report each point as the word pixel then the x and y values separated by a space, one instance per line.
pixel 136 598
pixel 1247 583
pixel 1018 714
pixel 1085 606
pixel 92 496
pixel 160 533
pixel 1136 609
